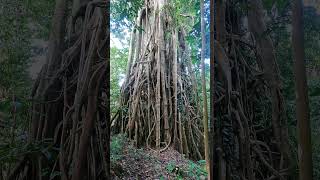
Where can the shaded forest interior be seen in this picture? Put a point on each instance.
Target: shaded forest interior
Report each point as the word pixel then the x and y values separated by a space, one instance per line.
pixel 176 95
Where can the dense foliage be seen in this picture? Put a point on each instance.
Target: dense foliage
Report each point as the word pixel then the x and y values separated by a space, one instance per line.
pixel 285 60
pixel 20 22
pixel 118 61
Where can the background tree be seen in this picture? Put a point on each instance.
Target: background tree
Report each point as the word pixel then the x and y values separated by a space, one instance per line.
pixel 304 132
pixel 204 91
pixel 212 85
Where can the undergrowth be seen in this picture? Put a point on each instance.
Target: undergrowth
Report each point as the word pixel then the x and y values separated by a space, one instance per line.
pixel 194 170
pixel 122 149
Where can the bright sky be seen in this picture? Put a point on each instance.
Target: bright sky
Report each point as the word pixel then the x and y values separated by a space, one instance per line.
pixel 124 42
pixel 115 42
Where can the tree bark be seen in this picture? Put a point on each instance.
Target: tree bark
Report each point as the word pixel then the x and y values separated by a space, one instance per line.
pixel 212 88
pixel 159 87
pixel 204 90
pixel 271 72
pixel 68 89
pixel 302 103
pixel 221 39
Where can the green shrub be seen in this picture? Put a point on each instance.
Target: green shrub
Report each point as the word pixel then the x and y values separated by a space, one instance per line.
pixel 171 166
pixel 116 147
pixel 196 170
pixel 174 169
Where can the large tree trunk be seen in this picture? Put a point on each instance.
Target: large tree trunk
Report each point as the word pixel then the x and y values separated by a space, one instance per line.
pixel 55 49
pixel 220 37
pixel 271 72
pixel 302 106
pixel 70 108
pixel 157 104
pixel 246 74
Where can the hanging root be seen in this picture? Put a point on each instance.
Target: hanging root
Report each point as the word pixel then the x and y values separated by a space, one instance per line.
pixel 157 99
pixel 247 137
pixel 70 105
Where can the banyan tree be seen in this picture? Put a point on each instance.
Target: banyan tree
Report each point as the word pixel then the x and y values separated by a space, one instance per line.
pixel 69 135
pixel 251 136
pixel 159 104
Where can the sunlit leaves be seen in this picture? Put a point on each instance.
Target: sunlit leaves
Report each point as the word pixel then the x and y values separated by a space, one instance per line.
pixel 182 14
pixel 123 14
pixel 118 64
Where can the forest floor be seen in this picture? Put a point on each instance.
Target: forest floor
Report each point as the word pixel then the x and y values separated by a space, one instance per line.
pixel 128 162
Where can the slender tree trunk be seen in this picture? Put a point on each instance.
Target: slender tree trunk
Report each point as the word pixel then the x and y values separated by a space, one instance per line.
pixel 204 89
pixel 175 87
pixel 302 107
pixel 158 90
pixel 212 89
